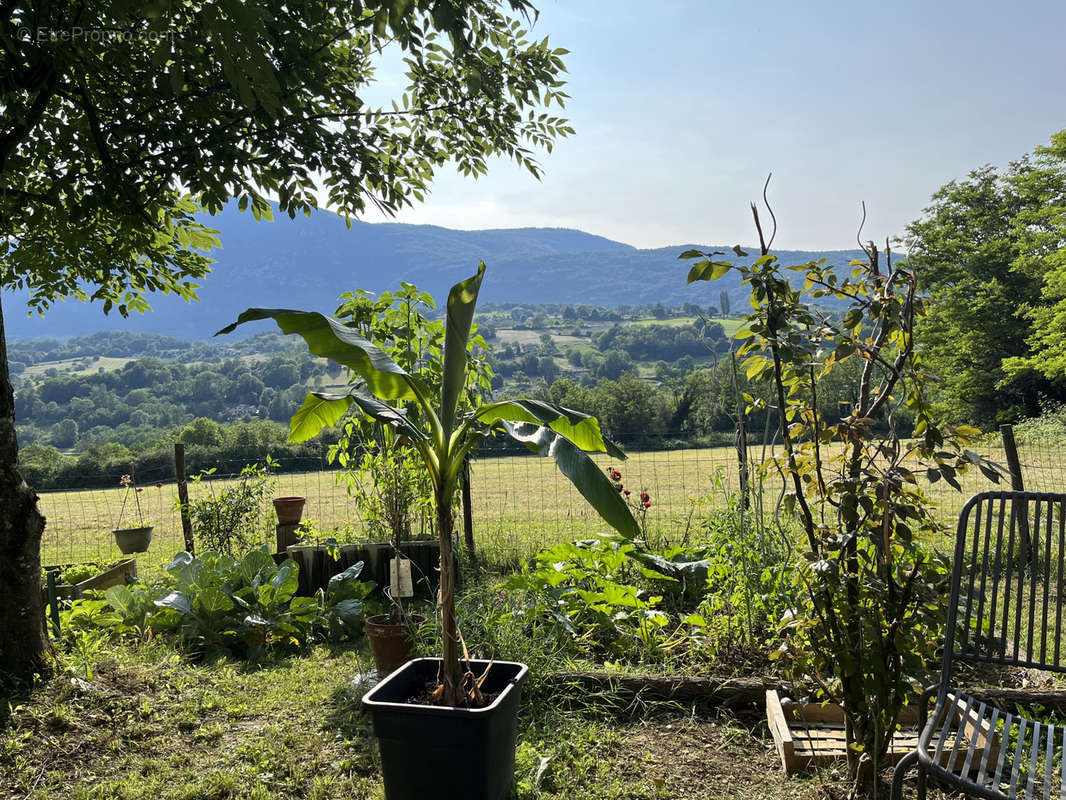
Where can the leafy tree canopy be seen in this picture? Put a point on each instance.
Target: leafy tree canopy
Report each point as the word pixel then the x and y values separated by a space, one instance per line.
pixel 989 254
pixel 120 120
pixel 1041 229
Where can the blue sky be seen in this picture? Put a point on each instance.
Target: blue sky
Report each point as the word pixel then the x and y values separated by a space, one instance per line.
pixel 682 108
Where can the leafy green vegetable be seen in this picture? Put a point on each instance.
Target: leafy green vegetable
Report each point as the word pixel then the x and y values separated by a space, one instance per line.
pixel 217 606
pixel 78 573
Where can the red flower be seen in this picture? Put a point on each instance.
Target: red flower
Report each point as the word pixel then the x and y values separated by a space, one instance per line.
pixel 140 489
pixel 626 493
pixel 647 503
pixel 159 484
pixel 645 497
pixel 616 475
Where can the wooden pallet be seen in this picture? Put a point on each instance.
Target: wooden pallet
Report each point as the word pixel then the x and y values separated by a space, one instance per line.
pixel 812 734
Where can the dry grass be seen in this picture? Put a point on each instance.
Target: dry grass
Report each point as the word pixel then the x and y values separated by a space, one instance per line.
pixel 520 503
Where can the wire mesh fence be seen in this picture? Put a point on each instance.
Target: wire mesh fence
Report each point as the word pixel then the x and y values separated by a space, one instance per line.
pixel 520 503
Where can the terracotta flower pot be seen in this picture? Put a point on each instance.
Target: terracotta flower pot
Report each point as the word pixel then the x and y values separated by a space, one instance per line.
pixel 390 641
pixel 289 509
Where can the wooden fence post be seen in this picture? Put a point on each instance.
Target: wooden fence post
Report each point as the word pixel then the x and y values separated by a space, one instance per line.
pixel 183 496
pixel 1017 483
pixel 740 436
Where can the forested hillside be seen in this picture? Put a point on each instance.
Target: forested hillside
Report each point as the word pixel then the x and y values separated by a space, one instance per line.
pixel 257 263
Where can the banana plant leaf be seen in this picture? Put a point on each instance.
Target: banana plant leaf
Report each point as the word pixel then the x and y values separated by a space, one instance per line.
pixel 586 475
pixel 323 410
pixel 581 429
pixel 462 300
pixel 334 340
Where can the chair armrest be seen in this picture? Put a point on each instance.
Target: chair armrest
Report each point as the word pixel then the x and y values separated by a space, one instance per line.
pixel 923 704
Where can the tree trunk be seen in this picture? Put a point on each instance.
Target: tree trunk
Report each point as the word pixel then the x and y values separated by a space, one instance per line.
pixel 23 636
pixel 449 629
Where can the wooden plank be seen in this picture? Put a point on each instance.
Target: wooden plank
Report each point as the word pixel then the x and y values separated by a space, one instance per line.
pixel 779 729
pixel 833 713
pixel 114 575
pixel 816 712
pixel 979 727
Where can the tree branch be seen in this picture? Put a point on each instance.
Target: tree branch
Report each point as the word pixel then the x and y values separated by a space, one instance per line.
pixel 18 131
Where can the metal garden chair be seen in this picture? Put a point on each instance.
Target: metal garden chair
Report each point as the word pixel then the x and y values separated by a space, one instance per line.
pixel 1005 608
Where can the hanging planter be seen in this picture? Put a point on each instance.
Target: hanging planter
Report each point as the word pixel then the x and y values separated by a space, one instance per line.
pixel 133 540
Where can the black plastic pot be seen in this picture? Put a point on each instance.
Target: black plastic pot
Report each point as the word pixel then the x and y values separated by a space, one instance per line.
pixel 446 753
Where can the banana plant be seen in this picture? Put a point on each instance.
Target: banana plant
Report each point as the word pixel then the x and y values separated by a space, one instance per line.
pixel 430 419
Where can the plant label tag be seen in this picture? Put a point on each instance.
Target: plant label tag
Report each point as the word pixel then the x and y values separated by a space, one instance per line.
pixel 400 577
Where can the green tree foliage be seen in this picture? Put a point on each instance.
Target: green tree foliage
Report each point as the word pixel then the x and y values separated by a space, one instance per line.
pixel 989 253
pixel 1041 227
pixel 134 405
pixel 666 342
pixel 615 363
pixel 110 145
pixel 630 410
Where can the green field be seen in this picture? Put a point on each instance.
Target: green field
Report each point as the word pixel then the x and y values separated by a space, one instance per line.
pixel 520 503
pixel 730 324
pixel 78 366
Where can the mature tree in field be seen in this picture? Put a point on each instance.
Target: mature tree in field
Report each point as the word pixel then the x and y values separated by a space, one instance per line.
pixel 986 252
pixel 1041 228
pixel 963 251
pixel 631 409
pixel 121 120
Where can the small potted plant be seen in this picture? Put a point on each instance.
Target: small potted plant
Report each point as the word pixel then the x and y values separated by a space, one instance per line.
pixel 133 539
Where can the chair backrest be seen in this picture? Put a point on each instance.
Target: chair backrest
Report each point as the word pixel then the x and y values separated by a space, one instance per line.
pixel 1007 582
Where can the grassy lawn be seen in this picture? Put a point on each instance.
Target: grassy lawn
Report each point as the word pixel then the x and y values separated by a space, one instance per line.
pixel 730 324
pixel 150 725
pixel 520 503
pixel 128 721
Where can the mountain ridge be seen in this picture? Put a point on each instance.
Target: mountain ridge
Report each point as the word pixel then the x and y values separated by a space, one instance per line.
pixel 307 263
